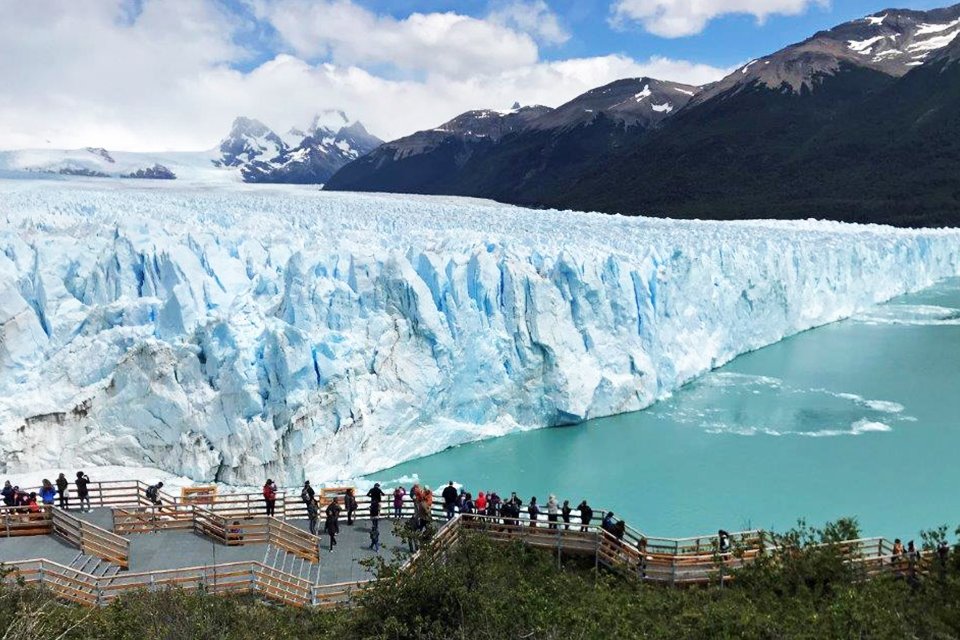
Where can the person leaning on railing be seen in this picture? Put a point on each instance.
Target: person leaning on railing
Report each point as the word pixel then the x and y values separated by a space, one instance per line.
pixel 47 492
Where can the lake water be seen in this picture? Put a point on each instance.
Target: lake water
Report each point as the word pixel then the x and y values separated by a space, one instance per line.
pixel 855 418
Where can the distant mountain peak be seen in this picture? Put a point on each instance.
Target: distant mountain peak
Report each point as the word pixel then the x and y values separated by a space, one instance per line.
pixel 298 156
pixel 892 42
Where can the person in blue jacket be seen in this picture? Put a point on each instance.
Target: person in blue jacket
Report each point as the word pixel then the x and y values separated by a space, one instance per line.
pixel 47 492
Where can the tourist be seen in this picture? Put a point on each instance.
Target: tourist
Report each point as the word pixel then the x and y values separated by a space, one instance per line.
pixel 612 526
pixel 375 512
pixel 467 506
pixel 480 504
pixel 553 508
pixel 586 515
pixel 307 493
pixel 332 524
pixel 62 485
pixel 897 550
pixel 723 541
pixel 21 499
pixel 153 494
pixel 83 490
pixel 30 503
pixel 350 503
pixel 398 495
pixel 375 534
pixel 47 492
pixel 494 504
pixel 509 513
pixel 449 496
pixel 270 497
pixel 7 494
pixel 565 514
pixel 376 494
pixel 313 515
pixel 912 552
pixel 425 510
pixel 533 511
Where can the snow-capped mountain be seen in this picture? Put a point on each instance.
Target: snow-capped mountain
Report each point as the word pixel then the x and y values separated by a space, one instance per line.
pixel 300 156
pixel 305 333
pixel 454 156
pixel 94 162
pixel 752 145
pixel 891 42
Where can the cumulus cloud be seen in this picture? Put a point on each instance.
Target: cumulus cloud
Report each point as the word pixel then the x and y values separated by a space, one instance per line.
pixel 78 74
pixel 349 34
pixel 534 18
pixel 676 18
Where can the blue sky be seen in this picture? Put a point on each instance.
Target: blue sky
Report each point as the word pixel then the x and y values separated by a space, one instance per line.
pixel 172 74
pixel 727 40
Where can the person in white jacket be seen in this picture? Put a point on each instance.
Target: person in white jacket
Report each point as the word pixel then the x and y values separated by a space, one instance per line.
pixel 553 508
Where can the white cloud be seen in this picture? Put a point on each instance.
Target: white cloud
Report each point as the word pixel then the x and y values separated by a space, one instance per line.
pixel 164 80
pixel 534 18
pixel 348 34
pixel 676 18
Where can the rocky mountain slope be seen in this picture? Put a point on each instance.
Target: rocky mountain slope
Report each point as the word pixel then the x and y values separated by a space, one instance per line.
pixel 447 159
pixel 783 136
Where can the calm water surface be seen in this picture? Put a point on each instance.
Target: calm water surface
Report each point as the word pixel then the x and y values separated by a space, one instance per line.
pixel 855 418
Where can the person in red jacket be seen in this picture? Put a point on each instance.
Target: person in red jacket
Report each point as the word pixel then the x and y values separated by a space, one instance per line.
pixel 270 496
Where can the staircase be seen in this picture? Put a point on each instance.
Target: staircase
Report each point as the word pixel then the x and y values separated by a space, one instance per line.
pixel 289 563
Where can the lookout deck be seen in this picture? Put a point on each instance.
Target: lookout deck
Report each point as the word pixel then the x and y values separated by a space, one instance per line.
pixel 228 545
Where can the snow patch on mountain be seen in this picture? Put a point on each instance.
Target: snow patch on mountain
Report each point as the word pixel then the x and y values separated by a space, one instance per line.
pixel 235 333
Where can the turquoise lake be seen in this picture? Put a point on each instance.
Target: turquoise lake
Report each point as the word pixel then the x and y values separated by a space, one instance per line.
pixel 855 418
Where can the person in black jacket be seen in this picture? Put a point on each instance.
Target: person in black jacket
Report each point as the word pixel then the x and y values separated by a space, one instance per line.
pixel 586 515
pixel 350 503
pixel 533 511
pixel 565 514
pixel 307 493
pixel 62 485
pixel 450 500
pixel 332 524
pixel 83 490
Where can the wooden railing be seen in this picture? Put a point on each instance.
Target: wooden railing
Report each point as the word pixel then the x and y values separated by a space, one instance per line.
pixel 91 539
pixel 19 521
pixel 233 577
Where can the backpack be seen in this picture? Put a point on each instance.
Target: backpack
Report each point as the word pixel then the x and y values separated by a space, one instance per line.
pixel 152 492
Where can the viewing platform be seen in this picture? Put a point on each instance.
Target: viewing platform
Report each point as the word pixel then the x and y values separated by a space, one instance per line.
pixel 228 545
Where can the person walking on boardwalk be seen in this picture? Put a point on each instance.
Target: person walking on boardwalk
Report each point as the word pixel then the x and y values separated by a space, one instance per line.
pixel 586 515
pixel 62 485
pixel 332 524
pixel 565 514
pixel 313 515
pixel 83 490
pixel 449 496
pixel 553 509
pixel 307 493
pixel 350 503
pixel 47 492
pixel 533 511
pixel 398 495
pixel 270 496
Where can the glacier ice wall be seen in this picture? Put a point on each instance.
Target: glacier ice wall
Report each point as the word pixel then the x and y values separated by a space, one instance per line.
pixel 231 333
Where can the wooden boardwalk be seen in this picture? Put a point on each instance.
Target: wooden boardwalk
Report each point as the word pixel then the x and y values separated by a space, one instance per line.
pixel 230 546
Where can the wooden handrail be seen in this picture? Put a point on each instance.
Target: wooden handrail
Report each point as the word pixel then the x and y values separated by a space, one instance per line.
pixel 91 539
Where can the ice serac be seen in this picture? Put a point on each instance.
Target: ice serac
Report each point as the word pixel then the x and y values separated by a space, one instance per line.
pixel 228 333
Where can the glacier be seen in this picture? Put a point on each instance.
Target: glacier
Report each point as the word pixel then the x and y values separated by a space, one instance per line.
pixel 232 332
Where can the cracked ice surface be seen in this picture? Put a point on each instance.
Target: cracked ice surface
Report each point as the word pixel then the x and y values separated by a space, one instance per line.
pixel 233 332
